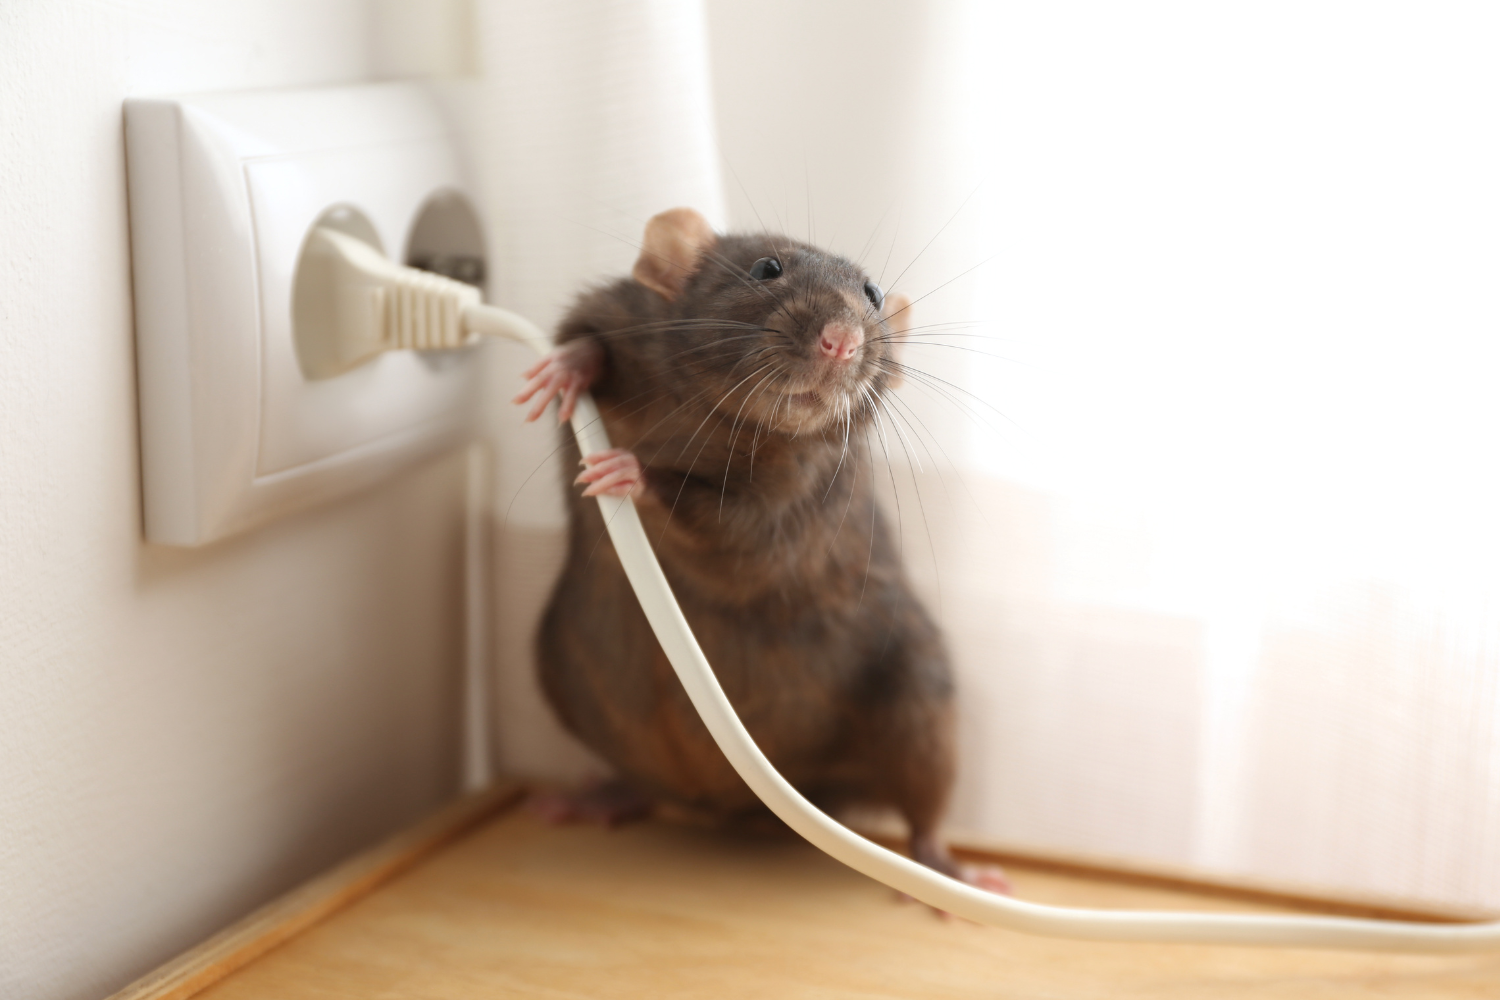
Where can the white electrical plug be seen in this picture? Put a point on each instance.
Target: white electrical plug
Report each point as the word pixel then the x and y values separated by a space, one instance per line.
pixel 353 303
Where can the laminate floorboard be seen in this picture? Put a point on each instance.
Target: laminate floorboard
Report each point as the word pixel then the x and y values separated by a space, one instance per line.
pixel 520 909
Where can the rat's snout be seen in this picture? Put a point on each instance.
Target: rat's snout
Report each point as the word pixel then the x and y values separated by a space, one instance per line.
pixel 839 341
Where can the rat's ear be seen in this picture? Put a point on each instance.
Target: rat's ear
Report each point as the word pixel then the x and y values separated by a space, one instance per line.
pixel 675 243
pixel 897 317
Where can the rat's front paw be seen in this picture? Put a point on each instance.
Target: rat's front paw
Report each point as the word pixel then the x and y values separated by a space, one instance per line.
pixel 614 473
pixel 565 373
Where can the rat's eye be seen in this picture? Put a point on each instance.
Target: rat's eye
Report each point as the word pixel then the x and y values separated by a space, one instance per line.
pixel 765 269
pixel 874 294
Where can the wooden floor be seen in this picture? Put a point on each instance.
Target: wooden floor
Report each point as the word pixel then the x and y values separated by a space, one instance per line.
pixel 518 909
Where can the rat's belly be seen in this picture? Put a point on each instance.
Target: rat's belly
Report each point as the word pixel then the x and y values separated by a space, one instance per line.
pixel 608 680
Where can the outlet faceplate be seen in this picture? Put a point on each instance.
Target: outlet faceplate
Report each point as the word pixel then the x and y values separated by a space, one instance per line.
pixel 224 188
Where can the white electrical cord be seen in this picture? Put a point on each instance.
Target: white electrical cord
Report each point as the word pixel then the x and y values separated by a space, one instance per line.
pixel 923 883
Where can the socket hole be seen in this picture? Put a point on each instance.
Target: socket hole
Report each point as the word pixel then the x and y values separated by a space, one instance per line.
pixel 448 240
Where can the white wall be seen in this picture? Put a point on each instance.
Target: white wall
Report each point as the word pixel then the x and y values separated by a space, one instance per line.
pixel 183 734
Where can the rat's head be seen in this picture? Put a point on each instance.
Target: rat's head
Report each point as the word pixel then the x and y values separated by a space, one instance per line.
pixel 777 332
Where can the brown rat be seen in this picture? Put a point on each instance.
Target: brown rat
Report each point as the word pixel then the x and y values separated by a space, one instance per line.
pixel 735 376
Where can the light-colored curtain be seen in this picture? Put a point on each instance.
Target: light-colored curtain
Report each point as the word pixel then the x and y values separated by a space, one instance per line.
pixel 1202 485
pixel 1245 280
pixel 590 118
pixel 1205 481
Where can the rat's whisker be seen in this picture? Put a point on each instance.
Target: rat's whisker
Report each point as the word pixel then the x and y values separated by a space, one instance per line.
pixel 892 248
pixel 689 473
pixel 921 507
pixel 755 435
pixel 734 432
pixel 844 451
pixel 970 350
pixel 929 293
pixel 870 241
pixel 890 468
pixel 754 443
pixel 935 381
pixel 710 346
pixel 911 414
pixel 935 235
pixel 736 175
pixel 682 326
pixel 754 356
pixel 921 379
pixel 875 509
pixel 712 410
pixel 848 503
pixel 936 392
pixel 896 427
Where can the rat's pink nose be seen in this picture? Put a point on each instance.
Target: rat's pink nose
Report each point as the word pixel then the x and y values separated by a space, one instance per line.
pixel 839 341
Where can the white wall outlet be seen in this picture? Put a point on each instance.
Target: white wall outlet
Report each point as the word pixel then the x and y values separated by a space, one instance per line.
pixel 224 189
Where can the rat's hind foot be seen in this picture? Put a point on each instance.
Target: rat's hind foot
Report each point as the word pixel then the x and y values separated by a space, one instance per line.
pixel 607 803
pixel 931 852
pixel 565 373
pixel 615 473
pixel 990 878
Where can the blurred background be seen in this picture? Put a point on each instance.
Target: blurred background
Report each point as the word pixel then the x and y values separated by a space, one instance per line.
pixel 1200 479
